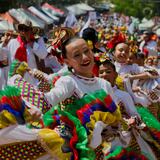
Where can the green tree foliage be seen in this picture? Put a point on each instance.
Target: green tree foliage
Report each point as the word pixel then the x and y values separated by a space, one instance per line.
pixel 136 8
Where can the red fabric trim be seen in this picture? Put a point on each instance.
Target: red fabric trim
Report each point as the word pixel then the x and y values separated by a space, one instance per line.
pixel 74 138
pixel 21 53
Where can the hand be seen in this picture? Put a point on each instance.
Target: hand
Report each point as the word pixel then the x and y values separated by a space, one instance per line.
pixel 6 39
pixel 131 121
pixel 35 113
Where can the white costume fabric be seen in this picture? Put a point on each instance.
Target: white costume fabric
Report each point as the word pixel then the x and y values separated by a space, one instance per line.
pixel 128 69
pixel 76 85
pixel 38 49
pixel 4 56
pixel 126 99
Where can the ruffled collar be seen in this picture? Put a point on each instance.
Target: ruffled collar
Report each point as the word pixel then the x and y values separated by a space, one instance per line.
pixel 85 79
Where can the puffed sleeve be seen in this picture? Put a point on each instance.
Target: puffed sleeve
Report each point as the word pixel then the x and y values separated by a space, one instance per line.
pixel 39 49
pixel 64 88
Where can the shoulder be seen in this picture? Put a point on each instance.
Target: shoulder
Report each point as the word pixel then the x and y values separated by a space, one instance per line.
pixel 11 80
pixel 137 68
pixel 65 80
pixel 123 94
pixel 104 83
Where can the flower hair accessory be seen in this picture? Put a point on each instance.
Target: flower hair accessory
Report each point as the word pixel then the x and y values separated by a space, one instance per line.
pixel 102 57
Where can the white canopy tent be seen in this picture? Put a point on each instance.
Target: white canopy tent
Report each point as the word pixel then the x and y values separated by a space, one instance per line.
pixel 54 10
pixel 5 25
pixel 85 7
pixel 50 13
pixel 44 17
pixel 21 14
pixel 80 8
pixel 75 10
pixel 146 24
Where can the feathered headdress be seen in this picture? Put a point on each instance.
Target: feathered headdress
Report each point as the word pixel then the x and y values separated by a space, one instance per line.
pixel 132 42
pixel 60 34
pixel 118 37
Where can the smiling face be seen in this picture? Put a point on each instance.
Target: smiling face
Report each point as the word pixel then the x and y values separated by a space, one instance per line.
pixel 107 72
pixel 80 58
pixel 131 59
pixel 121 53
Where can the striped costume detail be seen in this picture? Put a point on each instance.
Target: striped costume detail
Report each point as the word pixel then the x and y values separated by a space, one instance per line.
pixel 31 95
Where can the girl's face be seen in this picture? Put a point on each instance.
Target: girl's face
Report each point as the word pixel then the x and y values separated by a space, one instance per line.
pixel 107 72
pixel 121 53
pixel 80 58
pixel 131 59
pixel 149 62
pixel 155 61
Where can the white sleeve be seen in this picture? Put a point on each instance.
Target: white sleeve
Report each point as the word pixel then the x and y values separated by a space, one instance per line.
pixel 39 49
pixel 11 80
pixel 128 102
pixel 64 88
pixel 137 69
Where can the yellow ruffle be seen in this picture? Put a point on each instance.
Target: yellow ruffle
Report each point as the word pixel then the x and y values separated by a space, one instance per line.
pixel 106 117
pixel 6 119
pixel 120 83
pixel 52 143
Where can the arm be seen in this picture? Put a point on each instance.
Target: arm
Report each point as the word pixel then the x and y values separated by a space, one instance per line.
pixel 39 49
pixel 145 75
pixel 63 89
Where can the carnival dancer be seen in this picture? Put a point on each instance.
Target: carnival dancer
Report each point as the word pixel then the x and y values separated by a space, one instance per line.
pixel 91 37
pixel 107 71
pixel 121 55
pixel 25 47
pixel 128 108
pixel 4 59
pixel 78 116
pixel 80 82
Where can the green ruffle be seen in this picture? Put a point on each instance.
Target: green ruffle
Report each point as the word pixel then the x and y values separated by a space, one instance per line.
pixel 115 153
pixel 10 91
pixel 72 108
pixel 85 153
pixel 13 67
pixel 148 118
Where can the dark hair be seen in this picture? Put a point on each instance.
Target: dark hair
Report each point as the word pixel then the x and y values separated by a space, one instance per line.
pixel 65 43
pixel 90 34
pixel 63 48
pixel 109 63
pixel 140 55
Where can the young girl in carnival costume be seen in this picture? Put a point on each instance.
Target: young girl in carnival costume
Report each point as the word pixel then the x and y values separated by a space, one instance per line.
pixel 76 85
pixel 133 114
pixel 80 119
pixel 148 79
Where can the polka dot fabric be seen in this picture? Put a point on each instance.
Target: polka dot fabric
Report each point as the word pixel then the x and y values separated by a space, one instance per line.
pixel 30 150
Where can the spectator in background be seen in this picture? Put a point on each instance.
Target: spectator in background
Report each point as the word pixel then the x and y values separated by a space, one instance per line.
pixel 5 58
pixel 26 48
